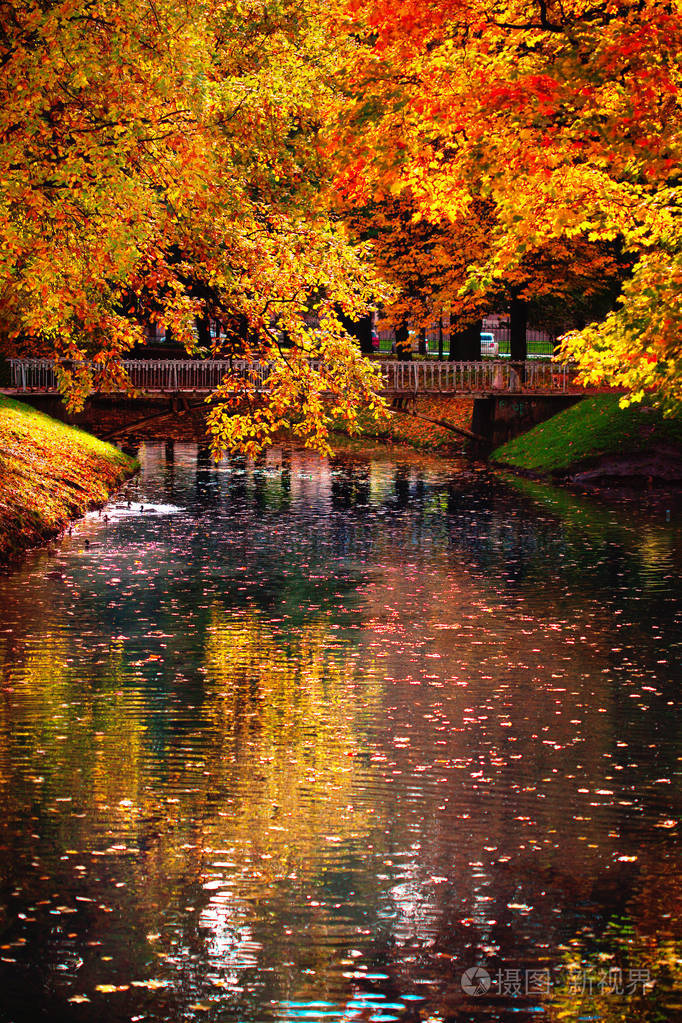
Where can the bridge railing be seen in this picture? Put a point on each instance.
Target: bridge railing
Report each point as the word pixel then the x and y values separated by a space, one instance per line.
pixel 476 377
pixel 163 375
pixel 172 375
pixel 32 374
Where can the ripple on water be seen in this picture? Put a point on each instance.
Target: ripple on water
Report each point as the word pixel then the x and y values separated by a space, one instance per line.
pixel 310 739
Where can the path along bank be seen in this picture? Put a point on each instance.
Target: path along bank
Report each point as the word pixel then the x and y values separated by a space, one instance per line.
pixel 50 473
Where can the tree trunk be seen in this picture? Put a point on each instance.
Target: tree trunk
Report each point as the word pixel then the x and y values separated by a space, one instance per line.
pixel 361 330
pixel 422 341
pixel 203 331
pixel 440 338
pixel 403 345
pixel 518 323
pixel 453 348
pixel 465 344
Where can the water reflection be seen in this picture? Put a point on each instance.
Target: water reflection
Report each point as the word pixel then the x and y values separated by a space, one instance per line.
pixel 306 739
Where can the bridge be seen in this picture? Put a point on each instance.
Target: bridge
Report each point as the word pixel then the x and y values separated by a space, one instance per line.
pixel 201 376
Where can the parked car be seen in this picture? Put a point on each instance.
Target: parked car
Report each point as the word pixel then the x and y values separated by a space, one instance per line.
pixel 489 345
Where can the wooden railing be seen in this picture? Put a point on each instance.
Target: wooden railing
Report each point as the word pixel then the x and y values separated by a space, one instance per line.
pixel 188 375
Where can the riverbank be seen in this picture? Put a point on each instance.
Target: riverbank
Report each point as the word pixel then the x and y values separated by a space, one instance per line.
pixel 597 443
pixel 429 423
pixel 50 473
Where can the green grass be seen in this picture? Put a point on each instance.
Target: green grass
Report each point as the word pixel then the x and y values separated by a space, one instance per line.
pixel 540 348
pixel 50 473
pixel 594 428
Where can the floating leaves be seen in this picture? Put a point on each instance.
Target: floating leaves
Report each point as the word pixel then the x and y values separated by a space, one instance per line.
pixel 305 712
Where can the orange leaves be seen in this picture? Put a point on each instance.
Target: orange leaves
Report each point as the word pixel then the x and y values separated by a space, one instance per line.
pixel 565 117
pixel 107 122
pixel 306 390
pixel 168 170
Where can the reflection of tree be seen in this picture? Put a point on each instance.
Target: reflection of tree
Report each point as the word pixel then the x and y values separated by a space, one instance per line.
pixel 69 740
pixel 632 972
pixel 289 705
pixel 382 728
pixel 402 487
pixel 255 793
pixel 600 540
pixel 350 484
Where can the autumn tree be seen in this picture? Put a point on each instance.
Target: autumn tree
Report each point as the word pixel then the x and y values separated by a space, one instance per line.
pixel 419 259
pixel 565 115
pixel 433 266
pixel 162 162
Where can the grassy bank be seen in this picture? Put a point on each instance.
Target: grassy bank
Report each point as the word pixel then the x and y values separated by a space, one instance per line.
pixel 50 473
pixel 594 431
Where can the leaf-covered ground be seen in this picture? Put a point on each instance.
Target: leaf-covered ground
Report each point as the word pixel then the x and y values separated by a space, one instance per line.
pixel 50 473
pixel 592 430
pixel 421 430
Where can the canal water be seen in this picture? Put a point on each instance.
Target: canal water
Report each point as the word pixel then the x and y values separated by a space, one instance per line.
pixel 371 738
